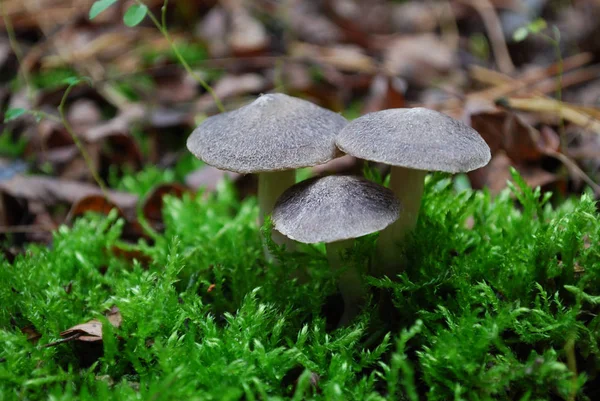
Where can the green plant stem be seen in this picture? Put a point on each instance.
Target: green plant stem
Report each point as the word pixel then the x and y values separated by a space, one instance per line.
pixel 162 27
pixel 86 156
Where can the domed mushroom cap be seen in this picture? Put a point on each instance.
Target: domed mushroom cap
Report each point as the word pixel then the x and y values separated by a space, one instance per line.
pixel 274 132
pixel 415 138
pixel 334 208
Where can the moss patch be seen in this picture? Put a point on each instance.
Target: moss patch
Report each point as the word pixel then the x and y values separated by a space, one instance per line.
pixel 499 302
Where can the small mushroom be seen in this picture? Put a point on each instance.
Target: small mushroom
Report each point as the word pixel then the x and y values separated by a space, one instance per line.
pixel 272 136
pixel 413 141
pixel 335 210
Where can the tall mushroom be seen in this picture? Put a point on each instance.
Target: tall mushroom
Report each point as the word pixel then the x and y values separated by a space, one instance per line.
pixel 335 210
pixel 272 136
pixel 413 141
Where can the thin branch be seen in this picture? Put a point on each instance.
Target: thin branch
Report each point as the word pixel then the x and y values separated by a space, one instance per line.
pixel 26 229
pixel 494 29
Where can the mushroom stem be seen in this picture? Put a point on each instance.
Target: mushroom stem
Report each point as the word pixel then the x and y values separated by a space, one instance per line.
pixel 407 185
pixel 350 284
pixel 270 186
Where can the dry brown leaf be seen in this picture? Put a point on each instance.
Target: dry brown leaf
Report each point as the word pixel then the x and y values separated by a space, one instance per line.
pixel 92 203
pixel 83 114
pixel 92 331
pixel 497 173
pixel 385 93
pixel 247 35
pixel 213 30
pixel 584 117
pixel 350 58
pixel 414 17
pixel 33 336
pixel 131 255
pixel 358 18
pixel 51 191
pixel 119 124
pixel 506 131
pixel 310 24
pixel 174 87
pixel 232 86
pixel 418 58
pixel 153 203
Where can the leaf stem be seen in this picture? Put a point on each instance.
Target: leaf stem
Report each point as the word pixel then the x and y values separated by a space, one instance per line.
pixel 162 27
pixel 86 156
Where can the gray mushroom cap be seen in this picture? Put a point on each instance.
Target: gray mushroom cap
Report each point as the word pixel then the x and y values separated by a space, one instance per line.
pixel 334 208
pixel 415 138
pixel 275 132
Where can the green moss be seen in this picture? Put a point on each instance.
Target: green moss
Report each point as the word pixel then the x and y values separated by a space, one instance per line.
pixel 489 308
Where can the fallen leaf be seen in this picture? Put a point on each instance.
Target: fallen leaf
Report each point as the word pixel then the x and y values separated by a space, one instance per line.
pixel 213 30
pixel 33 336
pixel 343 57
pixel 130 254
pixel 231 86
pixel 247 35
pixel 51 191
pixel 414 17
pixel 507 131
pixel 385 93
pixel 92 203
pixel 419 59
pixel 91 331
pixel 309 23
pixel 153 203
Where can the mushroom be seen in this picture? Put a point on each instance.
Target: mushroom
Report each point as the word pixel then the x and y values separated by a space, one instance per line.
pixel 413 141
pixel 335 210
pixel 272 136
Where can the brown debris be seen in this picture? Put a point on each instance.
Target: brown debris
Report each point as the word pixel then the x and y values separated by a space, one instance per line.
pixel 90 331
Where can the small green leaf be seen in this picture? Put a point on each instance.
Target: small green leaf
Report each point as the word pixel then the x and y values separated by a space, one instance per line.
pixel 520 34
pixel 537 26
pixel 593 299
pixel 99 6
pixel 135 14
pixel 13 114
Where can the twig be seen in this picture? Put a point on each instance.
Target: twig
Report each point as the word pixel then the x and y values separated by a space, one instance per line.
pixel 25 229
pixel 62 340
pixel 575 169
pixel 563 110
pixel 494 28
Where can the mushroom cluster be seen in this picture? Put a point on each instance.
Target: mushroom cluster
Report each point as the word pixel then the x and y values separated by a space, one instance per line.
pixel 277 134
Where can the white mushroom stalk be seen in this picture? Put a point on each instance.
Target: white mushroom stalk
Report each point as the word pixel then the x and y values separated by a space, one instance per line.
pixel 270 187
pixel 407 184
pixel 335 210
pixel 350 283
pixel 412 141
